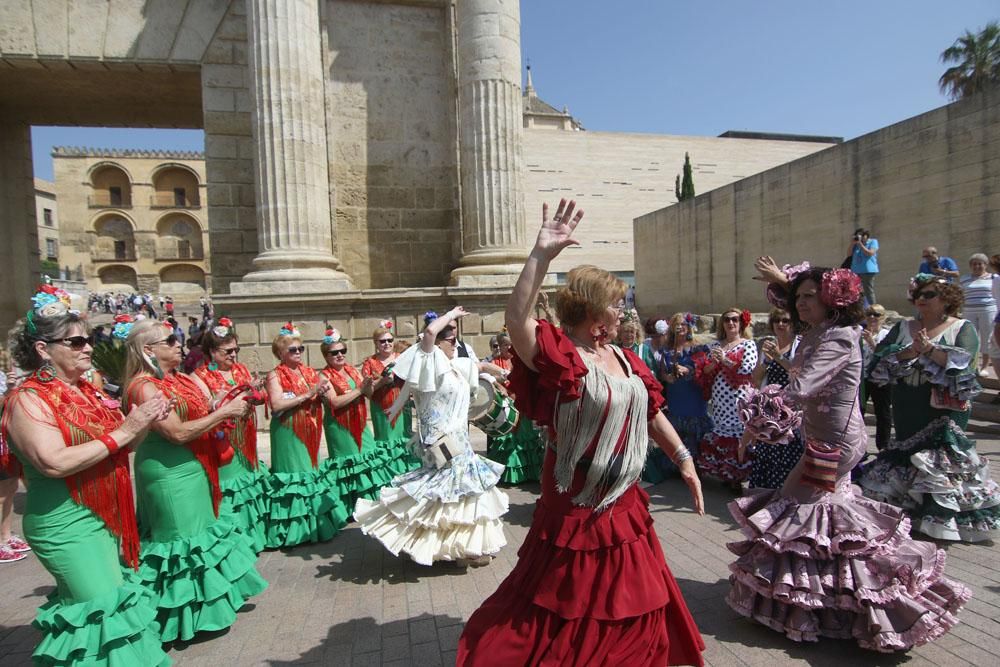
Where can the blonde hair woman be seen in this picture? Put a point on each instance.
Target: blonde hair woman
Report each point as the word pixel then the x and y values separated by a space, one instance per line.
pixel 392 436
pixel 177 482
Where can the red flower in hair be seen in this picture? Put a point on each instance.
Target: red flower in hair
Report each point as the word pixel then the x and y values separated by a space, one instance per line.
pixel 48 289
pixel 841 287
pixel 123 318
pixel 745 319
pixel 225 322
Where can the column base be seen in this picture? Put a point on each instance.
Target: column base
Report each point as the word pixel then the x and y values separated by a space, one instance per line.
pixel 291 272
pixel 489 268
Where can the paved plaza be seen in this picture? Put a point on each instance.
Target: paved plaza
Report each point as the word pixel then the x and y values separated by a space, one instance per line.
pixel 350 602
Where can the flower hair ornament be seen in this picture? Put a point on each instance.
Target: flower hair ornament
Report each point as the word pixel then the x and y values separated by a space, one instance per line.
pixel 331 336
pixel 691 320
pixel 776 295
pixel 429 317
pixel 923 278
pixel 48 301
pixel 288 329
pixel 745 319
pixel 839 288
pixel 661 327
pixel 123 326
pixel 224 328
pixel 386 324
pixel 630 315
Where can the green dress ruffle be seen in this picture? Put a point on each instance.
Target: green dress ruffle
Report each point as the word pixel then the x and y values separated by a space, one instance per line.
pixel 246 498
pixel 99 614
pixel 354 474
pixel 522 452
pixel 305 507
pixel 199 568
pixel 394 439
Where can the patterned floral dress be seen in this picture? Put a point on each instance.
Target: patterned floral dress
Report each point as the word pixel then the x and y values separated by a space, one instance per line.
pixel 718 457
pixel 446 513
pixel 772 463
pixel 931 469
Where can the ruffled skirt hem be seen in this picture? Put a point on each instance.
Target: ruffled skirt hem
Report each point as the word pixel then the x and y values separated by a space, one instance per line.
pixel 247 499
pixel 719 458
pixel 521 453
pixel 118 628
pixel 304 508
pixel 200 582
pixel 358 476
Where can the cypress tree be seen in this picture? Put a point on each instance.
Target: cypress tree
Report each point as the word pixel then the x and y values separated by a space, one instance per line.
pixel 677 188
pixel 687 186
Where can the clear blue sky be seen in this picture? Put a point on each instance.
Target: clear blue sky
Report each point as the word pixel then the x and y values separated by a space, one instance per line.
pixel 668 67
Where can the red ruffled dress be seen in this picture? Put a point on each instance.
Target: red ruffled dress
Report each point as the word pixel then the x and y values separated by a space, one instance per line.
pixel 589 587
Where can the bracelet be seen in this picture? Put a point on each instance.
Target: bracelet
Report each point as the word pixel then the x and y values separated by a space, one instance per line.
pixel 109 442
pixel 681 455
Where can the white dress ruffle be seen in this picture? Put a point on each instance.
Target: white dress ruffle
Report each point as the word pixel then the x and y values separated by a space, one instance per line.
pixel 449 513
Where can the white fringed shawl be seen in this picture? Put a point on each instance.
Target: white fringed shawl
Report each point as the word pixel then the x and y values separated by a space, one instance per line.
pixel 610 474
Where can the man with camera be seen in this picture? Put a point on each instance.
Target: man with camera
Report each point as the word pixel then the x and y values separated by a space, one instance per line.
pixel 935 264
pixel 864 262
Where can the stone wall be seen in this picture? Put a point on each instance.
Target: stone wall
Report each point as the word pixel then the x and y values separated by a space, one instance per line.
pixel 928 180
pixel 616 176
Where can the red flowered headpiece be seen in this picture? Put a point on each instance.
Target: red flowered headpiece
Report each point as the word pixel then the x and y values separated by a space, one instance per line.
pixel 745 318
pixel 840 287
pixel 386 324
pixel 224 327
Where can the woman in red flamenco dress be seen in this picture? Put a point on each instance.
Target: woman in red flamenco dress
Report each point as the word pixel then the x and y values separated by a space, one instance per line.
pixel 591 585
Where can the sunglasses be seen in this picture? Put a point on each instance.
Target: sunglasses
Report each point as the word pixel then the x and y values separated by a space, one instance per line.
pixel 296 349
pixel 383 341
pixel 872 315
pixel 926 294
pixel 334 353
pixel 731 318
pixel 75 343
pixel 782 320
pixel 170 340
pixel 230 351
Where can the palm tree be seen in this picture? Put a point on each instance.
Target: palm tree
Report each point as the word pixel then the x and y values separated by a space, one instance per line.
pixel 977 59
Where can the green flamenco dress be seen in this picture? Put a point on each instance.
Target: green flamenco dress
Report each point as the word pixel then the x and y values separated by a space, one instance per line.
pixel 245 481
pixel 356 467
pixel 931 468
pixel 99 613
pixel 200 567
pixel 521 451
pixel 305 507
pixel 392 438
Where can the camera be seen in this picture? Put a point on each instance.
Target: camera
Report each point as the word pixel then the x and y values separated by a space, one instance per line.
pixel 857 237
pixel 387 371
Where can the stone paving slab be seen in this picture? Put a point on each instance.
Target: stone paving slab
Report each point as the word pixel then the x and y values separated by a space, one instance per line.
pixel 350 602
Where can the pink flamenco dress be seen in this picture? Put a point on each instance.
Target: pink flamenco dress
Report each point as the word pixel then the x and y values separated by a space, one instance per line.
pixel 591 586
pixel 820 559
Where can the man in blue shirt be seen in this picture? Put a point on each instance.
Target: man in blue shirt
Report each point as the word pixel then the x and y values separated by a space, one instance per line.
pixel 939 266
pixel 864 262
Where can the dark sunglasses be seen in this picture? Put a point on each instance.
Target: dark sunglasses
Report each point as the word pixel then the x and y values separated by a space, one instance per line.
pixel 75 343
pixel 782 320
pixel 731 318
pixel 926 294
pixel 385 340
pixel 874 314
pixel 229 350
pixel 334 353
pixel 170 340
pixel 296 349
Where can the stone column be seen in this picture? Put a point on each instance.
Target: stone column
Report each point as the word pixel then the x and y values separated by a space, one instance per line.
pixel 489 94
pixel 291 181
pixel 19 250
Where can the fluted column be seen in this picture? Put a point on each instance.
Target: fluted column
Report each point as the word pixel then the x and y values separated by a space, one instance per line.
pixel 291 182
pixel 489 94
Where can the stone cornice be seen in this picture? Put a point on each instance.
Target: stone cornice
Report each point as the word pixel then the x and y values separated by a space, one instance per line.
pixel 86 151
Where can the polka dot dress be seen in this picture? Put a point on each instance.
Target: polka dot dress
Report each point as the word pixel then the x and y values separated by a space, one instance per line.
pixel 724 397
pixel 772 463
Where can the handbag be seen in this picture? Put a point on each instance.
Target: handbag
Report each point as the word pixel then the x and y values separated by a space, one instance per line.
pixel 941 399
pixel 440 453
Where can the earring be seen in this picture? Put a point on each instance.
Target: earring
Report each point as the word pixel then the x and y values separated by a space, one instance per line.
pixel 212 366
pixel 46 373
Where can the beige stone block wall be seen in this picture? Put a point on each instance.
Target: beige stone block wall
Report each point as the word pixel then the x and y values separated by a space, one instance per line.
pixel 928 180
pixel 390 112
pixel 618 176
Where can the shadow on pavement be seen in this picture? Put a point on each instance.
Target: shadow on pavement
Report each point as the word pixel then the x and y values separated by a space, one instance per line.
pixel 426 640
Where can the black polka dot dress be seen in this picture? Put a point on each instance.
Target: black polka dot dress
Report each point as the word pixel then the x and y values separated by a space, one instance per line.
pixel 772 463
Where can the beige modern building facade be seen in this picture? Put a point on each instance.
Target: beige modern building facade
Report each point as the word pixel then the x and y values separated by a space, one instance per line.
pixel 133 220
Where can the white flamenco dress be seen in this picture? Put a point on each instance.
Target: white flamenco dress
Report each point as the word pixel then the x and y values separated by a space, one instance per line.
pixel 447 513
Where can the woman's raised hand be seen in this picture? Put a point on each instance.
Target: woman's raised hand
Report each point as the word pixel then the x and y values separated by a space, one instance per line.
pixel 769 270
pixel 556 233
pixel 457 313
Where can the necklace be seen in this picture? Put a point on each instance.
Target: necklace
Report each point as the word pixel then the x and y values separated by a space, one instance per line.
pixel 590 349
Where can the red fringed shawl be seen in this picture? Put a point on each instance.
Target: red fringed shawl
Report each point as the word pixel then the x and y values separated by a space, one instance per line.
pixel 241 432
pixel 353 416
pixel 191 404
pixel 733 377
pixel 104 488
pixel 388 394
pixel 306 420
